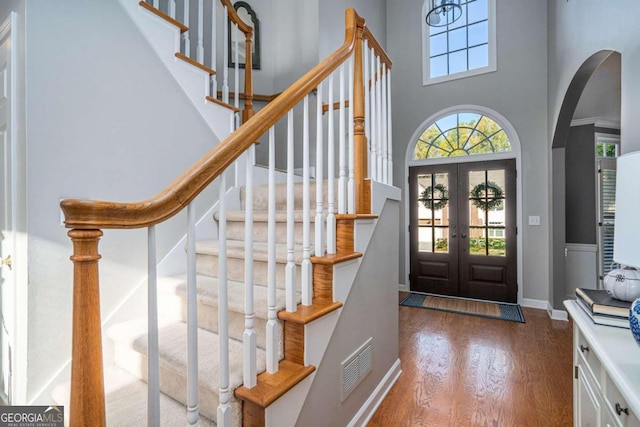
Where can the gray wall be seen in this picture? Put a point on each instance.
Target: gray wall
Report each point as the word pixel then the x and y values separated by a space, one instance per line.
pixel 580 190
pixel 105 121
pixel 372 290
pixel 572 40
pixel 516 90
pixel 332 21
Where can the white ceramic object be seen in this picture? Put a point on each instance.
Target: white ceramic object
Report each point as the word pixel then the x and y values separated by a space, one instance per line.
pixel 623 284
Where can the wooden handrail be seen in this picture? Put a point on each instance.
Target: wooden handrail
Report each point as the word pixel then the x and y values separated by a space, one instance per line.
pixel 373 43
pixel 93 214
pixel 235 18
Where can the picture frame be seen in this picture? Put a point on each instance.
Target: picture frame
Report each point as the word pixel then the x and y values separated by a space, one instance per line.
pixel 248 15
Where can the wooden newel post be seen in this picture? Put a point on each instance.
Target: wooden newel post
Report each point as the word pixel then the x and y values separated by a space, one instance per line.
pixel 363 206
pixel 87 381
pixel 248 112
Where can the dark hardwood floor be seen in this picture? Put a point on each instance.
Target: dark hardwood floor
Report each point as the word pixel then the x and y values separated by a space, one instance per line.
pixel 462 370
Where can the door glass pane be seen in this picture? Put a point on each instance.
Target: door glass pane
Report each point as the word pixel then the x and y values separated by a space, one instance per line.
pixel 477 241
pixel 442 239
pixel 433 212
pixel 487 225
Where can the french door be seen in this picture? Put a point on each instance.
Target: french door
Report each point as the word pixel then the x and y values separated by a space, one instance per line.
pixel 463 230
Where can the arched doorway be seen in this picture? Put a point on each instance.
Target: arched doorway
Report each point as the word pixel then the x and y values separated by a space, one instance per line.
pixel 566 224
pixel 462 205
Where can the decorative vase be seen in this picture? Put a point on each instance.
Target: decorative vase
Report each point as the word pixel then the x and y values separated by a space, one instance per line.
pixel 634 320
pixel 623 283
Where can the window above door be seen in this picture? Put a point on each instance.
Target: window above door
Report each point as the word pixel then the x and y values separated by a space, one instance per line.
pixel 461 134
pixel 464 48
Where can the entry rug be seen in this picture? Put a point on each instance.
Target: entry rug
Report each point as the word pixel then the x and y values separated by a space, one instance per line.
pixel 491 310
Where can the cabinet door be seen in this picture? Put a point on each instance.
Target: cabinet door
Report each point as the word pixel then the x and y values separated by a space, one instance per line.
pixel 588 414
pixel 608 419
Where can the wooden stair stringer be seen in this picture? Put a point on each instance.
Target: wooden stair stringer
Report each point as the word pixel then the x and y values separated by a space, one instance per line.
pixel 163 34
pixel 258 401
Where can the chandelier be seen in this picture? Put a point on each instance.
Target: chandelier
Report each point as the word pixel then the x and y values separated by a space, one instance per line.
pixel 443 12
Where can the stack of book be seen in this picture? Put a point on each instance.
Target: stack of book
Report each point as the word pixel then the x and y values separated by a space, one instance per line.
pixel 603 308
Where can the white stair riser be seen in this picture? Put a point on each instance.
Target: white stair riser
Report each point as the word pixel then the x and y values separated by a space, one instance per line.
pixel 207 265
pixel 173 383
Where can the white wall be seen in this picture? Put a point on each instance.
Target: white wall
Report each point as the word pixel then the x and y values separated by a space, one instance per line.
pixel 379 321
pixel 105 121
pixel 516 90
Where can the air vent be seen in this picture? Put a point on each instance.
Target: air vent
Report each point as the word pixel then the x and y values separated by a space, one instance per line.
pixel 356 367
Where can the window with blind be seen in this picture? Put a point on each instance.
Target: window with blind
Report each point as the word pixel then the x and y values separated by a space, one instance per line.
pixel 607 149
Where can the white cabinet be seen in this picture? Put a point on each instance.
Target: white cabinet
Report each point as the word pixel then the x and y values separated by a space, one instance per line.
pixel 606 385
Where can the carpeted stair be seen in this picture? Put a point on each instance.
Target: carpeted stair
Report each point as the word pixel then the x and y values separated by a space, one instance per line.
pixel 130 338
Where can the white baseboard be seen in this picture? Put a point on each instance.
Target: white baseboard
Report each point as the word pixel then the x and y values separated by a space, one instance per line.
pixel 534 303
pixel 403 287
pixel 373 402
pixel 557 314
pixel 545 305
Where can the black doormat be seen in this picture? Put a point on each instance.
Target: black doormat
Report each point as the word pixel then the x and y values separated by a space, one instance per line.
pixel 471 307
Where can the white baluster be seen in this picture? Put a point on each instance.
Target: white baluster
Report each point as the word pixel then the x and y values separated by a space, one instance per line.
pixel 319 226
pixel 200 46
pixel 367 108
pixel 214 48
pixel 272 320
pixel 342 163
pixel 172 8
pixel 156 4
pixel 224 408
pixel 383 124
pixel 192 321
pixel 225 57
pixel 378 121
pixel 389 130
pixel 331 176
pixel 351 189
pixel 249 337
pixel 307 291
pixel 236 76
pixel 185 36
pixel 290 270
pixel 153 368
pixel 372 118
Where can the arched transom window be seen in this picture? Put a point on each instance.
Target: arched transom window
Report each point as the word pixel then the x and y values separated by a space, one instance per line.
pixel 461 134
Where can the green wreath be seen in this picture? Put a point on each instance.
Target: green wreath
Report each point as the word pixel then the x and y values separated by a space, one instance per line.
pixel 428 201
pixel 486 203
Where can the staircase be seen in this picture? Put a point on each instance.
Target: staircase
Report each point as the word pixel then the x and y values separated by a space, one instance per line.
pixel 244 326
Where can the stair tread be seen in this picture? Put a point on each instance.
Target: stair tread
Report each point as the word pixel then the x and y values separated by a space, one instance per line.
pixel 263 216
pixel 207 287
pixel 272 386
pixel 121 388
pixel 222 103
pixel 172 350
pixel 235 249
pixel 195 63
pixel 308 313
pixel 164 16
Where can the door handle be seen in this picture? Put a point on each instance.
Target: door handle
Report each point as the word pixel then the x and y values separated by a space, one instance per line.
pixel 463 235
pixel 6 261
pixel 454 235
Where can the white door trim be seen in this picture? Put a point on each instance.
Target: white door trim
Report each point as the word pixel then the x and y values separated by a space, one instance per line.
pixel 515 153
pixel 9 28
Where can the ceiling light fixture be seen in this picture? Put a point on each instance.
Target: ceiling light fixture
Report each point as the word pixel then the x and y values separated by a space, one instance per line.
pixel 443 12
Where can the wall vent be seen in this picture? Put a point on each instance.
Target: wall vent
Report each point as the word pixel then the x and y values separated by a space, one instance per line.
pixel 356 367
